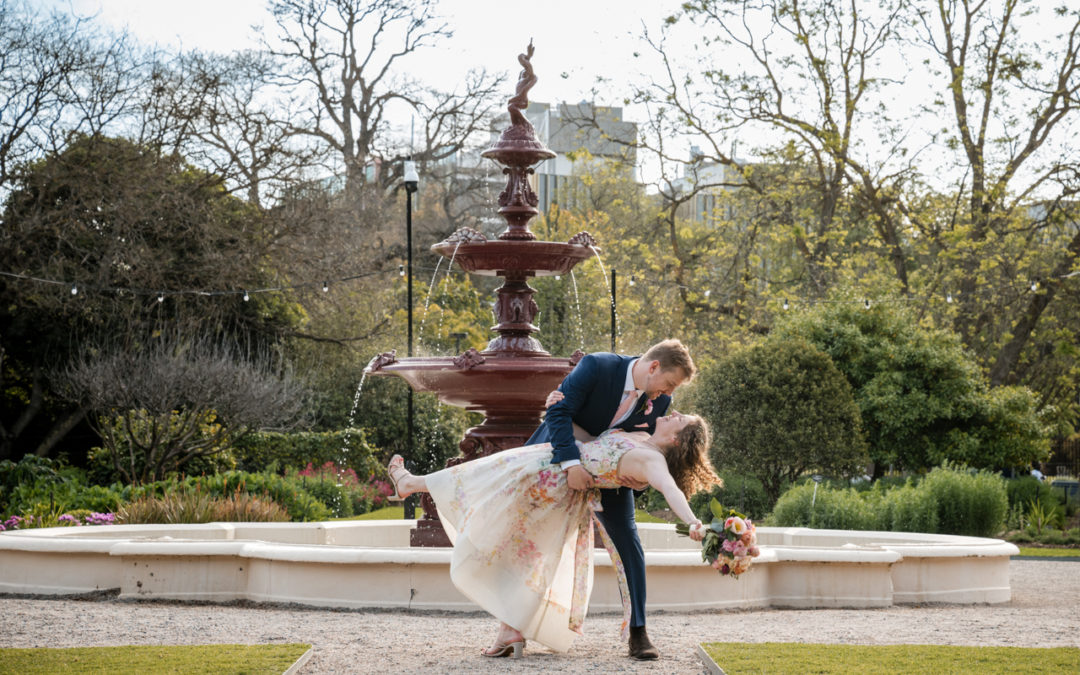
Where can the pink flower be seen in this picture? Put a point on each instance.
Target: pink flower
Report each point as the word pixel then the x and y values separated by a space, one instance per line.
pixel 753 551
pixel 738 550
pixel 728 545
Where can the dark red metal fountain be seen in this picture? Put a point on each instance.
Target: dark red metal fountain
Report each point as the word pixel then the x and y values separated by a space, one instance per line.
pixel 508 381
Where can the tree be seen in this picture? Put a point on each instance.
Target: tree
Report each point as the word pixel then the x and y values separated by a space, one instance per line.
pixel 172 400
pixel 125 225
pixel 922 398
pixel 778 409
pixel 343 62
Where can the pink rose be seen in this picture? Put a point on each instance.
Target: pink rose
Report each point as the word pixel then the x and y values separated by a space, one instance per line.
pixel 728 545
pixel 753 551
pixel 738 550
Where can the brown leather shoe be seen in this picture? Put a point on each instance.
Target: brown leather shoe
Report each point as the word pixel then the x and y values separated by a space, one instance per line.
pixel 640 647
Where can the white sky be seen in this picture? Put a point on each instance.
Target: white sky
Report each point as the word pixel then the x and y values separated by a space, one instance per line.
pixel 576 40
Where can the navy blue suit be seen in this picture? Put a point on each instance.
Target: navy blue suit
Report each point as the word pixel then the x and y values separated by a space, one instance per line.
pixel 593 391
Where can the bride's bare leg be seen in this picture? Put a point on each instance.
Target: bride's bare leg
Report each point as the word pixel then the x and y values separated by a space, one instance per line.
pixel 506 636
pixel 406 482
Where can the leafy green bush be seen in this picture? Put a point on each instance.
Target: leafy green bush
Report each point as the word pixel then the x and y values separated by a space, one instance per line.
pixel 949 500
pixel 968 503
pixel 779 409
pixel 39 485
pixel 909 509
pixel 348 448
pixel 1026 489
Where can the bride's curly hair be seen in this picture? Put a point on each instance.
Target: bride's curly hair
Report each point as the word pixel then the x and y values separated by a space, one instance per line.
pixel 688 458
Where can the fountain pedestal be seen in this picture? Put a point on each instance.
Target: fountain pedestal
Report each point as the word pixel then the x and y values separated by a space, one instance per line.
pixel 508 381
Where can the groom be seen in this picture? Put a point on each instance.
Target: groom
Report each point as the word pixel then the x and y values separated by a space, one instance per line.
pixel 603 392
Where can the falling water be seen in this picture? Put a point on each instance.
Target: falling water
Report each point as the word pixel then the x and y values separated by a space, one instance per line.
pixel 449 268
pixel 580 318
pixel 427 301
pixel 611 296
pixel 352 416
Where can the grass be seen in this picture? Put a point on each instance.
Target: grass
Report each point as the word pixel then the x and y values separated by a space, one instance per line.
pixel 249 659
pixel 398 512
pixel 1050 552
pixel 786 657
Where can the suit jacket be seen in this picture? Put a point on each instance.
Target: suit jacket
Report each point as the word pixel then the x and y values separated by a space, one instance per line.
pixel 592 391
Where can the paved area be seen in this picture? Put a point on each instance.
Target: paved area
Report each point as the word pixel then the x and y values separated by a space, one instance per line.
pixel 1044 612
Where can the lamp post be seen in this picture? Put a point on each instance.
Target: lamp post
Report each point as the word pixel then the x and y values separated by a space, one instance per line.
pixel 411 180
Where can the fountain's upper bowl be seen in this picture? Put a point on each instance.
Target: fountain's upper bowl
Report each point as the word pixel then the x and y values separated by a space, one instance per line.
pixel 497 257
pixel 518 147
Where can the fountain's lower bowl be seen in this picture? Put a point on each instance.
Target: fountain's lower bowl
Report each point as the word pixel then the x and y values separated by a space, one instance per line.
pixel 529 258
pixel 500 386
pixel 362 564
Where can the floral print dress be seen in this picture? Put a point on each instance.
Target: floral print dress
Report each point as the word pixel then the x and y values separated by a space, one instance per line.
pixel 523 540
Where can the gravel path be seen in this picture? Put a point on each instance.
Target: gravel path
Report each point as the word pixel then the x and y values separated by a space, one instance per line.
pixel 1044 612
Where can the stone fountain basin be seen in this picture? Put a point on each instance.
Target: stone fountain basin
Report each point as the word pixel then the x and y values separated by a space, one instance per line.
pixel 369 564
pixel 502 385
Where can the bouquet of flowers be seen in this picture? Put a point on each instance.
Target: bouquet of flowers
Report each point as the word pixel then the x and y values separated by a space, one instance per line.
pixel 730 543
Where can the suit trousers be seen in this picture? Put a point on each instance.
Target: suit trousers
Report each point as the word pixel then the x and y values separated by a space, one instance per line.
pixel 618 519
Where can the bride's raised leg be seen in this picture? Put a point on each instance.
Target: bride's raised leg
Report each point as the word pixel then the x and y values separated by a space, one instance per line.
pixel 405 483
pixel 508 642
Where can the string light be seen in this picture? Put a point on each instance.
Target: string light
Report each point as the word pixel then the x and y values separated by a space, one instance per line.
pixel 633 280
pixel 246 296
pixel 708 292
pixel 1034 285
pixel 948 298
pixel 866 303
pixel 325 286
pixel 401 270
pixel 161 297
pixel 74 289
pixel 785 305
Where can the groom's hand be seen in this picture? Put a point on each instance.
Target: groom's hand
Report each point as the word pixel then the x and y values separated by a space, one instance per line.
pixel 578 478
pixel 632 483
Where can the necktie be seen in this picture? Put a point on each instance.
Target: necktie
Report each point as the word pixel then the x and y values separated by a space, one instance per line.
pixel 629 398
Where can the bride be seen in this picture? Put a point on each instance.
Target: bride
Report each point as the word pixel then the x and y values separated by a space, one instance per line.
pixel 523 539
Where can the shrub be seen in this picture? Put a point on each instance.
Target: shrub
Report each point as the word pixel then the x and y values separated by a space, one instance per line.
pixel 348 448
pixel 968 503
pixel 199 507
pixel 909 509
pixel 779 409
pixel 1026 489
pixel 949 501
pixel 289 493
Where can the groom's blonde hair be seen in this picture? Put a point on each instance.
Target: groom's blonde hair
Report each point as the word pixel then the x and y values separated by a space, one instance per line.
pixel 672 354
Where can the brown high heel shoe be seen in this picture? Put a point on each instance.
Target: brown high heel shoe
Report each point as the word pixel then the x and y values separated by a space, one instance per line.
pixel 514 650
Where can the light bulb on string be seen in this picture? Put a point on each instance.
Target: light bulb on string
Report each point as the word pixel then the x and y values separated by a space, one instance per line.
pixel 866 303
pixel 708 292
pixel 161 297
pixel 246 296
pixel 74 289
pixel 633 280
pixel 401 270
pixel 785 305
pixel 325 286
pixel 1034 285
pixel 948 298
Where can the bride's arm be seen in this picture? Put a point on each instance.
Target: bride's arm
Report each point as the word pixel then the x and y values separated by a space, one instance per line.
pixel 655 471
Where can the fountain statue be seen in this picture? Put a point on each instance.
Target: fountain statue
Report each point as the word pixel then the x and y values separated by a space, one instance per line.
pixel 510 379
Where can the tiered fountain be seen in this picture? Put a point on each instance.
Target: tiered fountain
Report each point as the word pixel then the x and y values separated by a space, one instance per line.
pixel 510 379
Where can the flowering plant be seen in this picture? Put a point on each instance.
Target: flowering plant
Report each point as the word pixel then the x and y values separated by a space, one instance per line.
pixel 730 542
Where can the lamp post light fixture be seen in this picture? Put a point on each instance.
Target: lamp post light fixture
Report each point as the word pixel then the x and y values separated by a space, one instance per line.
pixel 411 180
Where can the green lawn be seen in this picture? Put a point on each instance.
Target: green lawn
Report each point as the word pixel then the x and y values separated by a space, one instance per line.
pixel 249 659
pixel 398 512
pixel 787 657
pixel 1051 552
